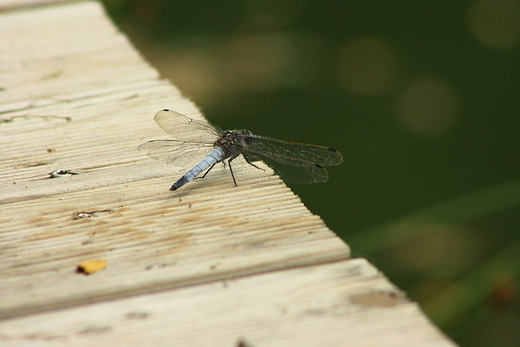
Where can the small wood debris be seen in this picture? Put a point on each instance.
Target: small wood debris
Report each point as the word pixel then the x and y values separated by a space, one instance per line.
pixel 92 266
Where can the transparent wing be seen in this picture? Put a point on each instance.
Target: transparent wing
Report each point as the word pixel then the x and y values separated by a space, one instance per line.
pixel 293 153
pixel 186 129
pixel 193 139
pixel 179 153
pixel 298 174
pixel 294 162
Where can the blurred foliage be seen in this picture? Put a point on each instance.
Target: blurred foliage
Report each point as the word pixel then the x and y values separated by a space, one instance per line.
pixel 421 98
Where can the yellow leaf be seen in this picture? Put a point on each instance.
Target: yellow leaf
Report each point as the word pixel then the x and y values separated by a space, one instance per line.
pixel 92 266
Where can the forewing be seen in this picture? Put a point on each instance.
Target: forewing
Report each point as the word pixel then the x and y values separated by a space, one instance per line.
pixel 186 129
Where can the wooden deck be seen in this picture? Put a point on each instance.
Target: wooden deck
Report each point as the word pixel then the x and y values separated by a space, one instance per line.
pixel 208 265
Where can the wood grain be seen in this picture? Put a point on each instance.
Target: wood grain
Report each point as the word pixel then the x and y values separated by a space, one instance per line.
pixel 346 303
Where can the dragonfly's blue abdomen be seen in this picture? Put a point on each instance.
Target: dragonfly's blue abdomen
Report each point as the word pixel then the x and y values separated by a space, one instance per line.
pixel 216 155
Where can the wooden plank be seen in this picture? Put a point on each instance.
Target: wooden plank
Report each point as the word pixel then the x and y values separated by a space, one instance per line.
pixel 199 237
pixel 74 101
pixel 347 303
pixel 19 4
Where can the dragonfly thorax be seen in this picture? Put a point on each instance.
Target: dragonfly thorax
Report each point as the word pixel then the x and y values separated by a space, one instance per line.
pixel 234 141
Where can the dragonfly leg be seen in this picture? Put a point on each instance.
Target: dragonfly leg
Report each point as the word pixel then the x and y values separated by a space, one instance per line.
pixel 231 169
pixel 205 173
pixel 250 163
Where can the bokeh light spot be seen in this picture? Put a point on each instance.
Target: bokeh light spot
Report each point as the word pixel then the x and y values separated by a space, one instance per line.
pixel 427 107
pixel 366 65
pixel 495 23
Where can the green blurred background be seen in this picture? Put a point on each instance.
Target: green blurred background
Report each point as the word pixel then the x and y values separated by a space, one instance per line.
pixel 422 98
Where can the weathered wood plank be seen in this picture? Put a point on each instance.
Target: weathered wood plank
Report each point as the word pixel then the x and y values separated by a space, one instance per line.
pixel 207 233
pixel 70 61
pixel 347 303
pixel 19 4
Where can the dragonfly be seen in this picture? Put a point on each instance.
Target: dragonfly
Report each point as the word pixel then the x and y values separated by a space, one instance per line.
pixel 201 143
